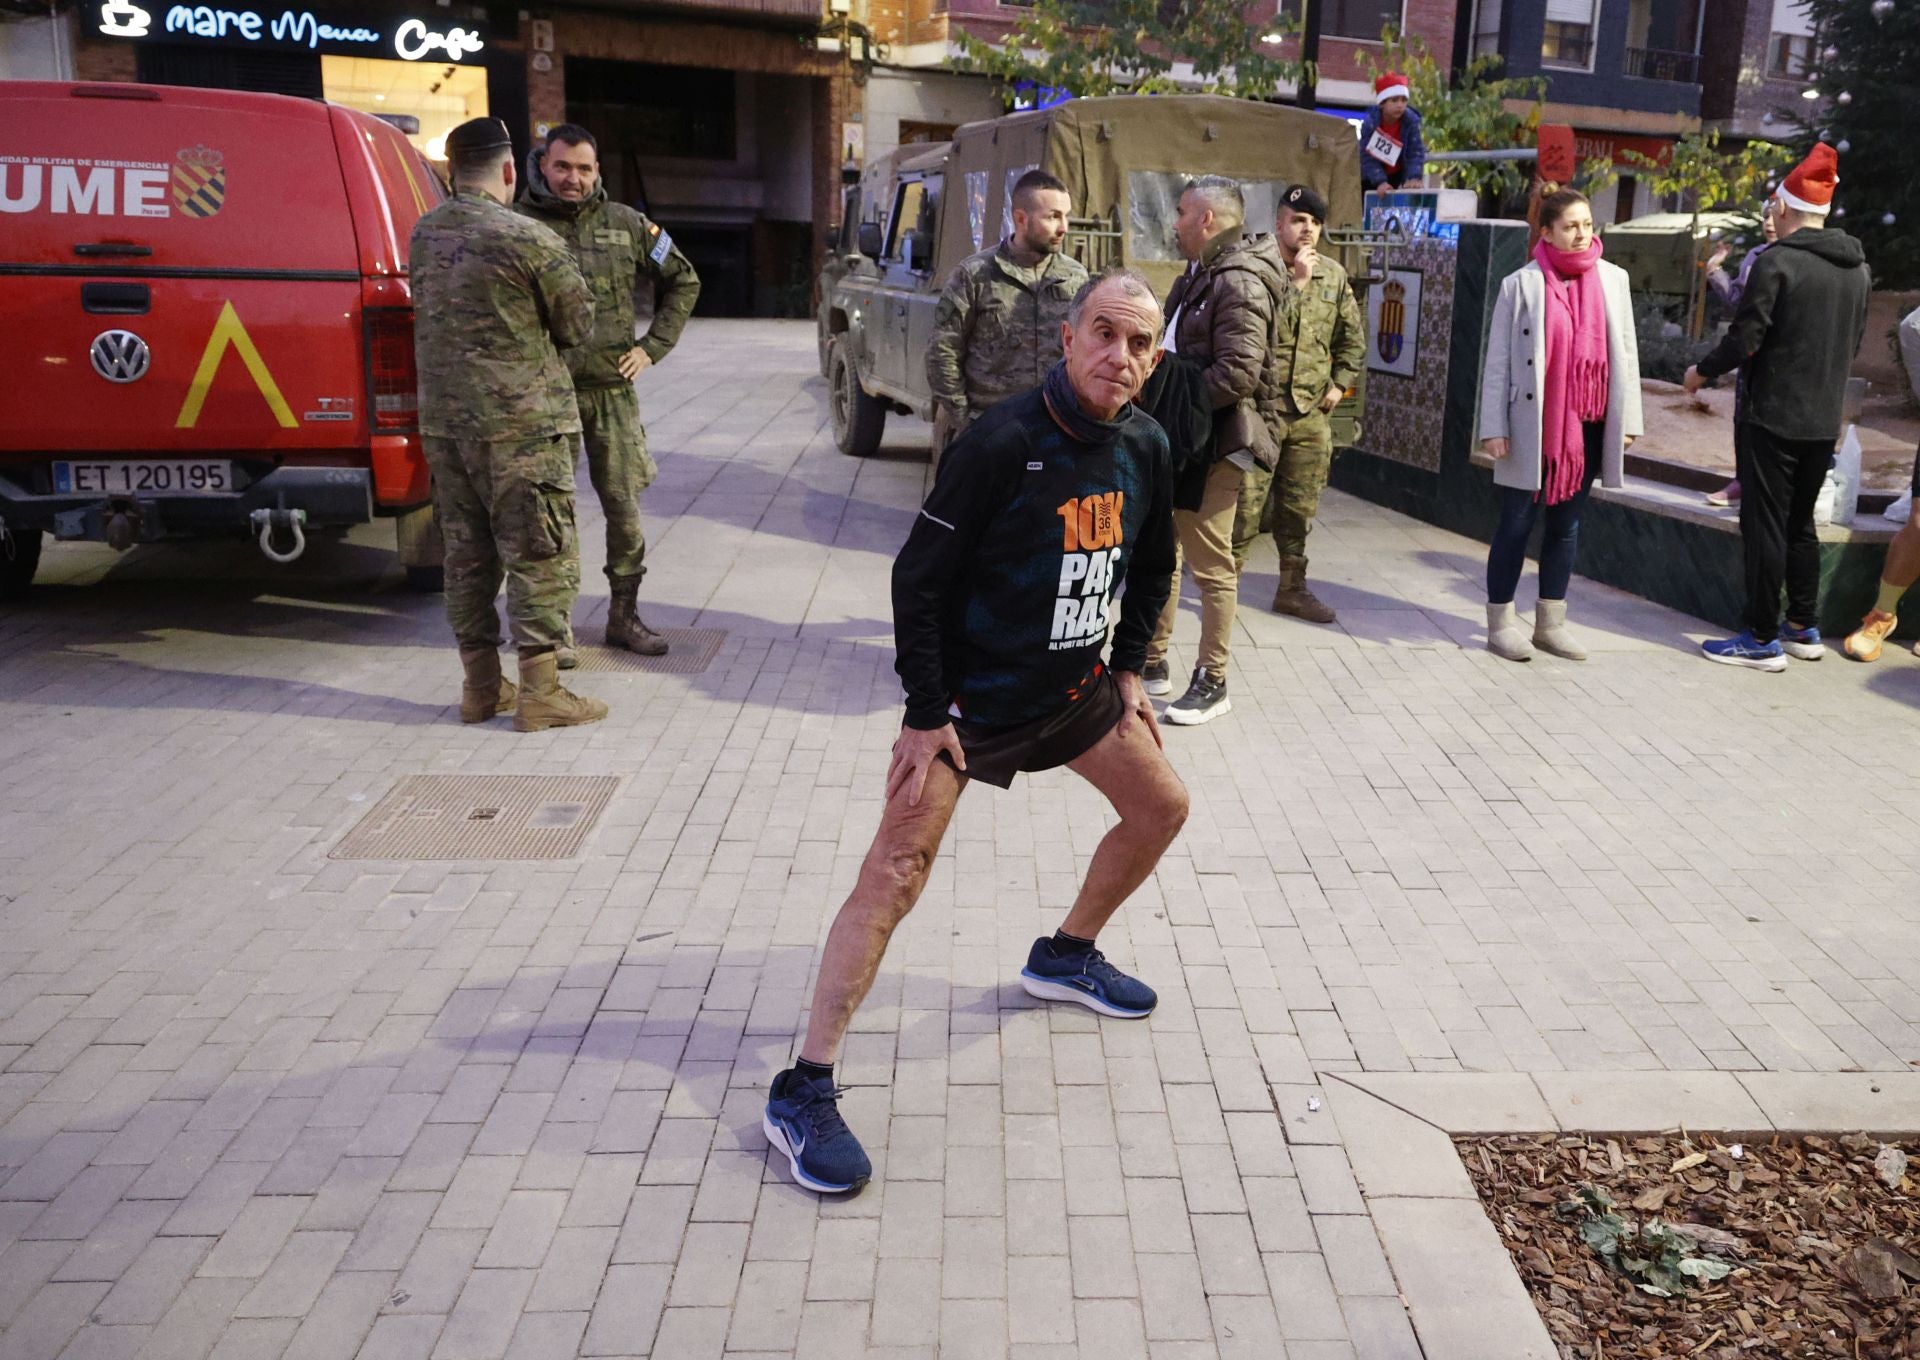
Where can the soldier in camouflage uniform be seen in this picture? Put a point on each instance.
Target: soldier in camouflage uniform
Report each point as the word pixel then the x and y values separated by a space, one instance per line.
pixel 1317 355
pixel 619 251
pixel 996 330
pixel 496 297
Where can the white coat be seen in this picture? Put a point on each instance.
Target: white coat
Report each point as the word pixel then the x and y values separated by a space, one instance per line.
pixel 1517 357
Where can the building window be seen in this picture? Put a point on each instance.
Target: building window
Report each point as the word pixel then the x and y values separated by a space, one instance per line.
pixel 1486 28
pixel 1789 54
pixel 1790 44
pixel 1359 20
pixel 1567 37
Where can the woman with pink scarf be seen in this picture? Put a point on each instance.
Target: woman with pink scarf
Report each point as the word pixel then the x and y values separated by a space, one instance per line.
pixel 1559 404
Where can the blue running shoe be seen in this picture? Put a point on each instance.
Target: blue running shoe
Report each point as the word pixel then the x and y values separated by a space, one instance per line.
pixel 1087 979
pixel 1802 644
pixel 803 1120
pixel 1744 651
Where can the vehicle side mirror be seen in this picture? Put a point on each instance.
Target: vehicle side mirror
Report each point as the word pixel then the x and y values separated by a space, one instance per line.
pixel 919 253
pixel 868 239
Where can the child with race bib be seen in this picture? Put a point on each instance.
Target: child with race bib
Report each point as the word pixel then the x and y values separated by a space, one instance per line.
pixel 1392 152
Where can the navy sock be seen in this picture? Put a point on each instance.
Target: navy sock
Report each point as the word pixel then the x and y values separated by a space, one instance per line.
pixel 812 1071
pixel 1065 946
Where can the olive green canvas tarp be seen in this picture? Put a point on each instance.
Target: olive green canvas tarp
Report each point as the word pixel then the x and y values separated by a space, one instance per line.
pixel 1124 157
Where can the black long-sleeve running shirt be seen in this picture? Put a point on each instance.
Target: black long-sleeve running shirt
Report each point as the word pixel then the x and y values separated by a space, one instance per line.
pixel 1003 594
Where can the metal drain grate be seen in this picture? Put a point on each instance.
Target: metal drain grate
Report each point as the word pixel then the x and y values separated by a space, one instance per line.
pixel 690 652
pixel 480 816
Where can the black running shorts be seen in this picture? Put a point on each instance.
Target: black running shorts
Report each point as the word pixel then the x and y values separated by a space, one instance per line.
pixel 996 754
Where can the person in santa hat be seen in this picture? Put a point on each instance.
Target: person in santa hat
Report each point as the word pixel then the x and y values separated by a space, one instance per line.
pixel 1392 151
pixel 1793 339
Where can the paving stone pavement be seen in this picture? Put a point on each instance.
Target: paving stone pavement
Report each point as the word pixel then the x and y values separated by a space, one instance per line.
pixel 258 1103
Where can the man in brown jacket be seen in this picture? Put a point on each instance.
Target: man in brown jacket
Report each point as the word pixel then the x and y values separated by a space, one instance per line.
pixel 1222 315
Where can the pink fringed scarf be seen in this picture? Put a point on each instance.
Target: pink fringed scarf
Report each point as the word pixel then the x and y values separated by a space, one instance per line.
pixel 1574 388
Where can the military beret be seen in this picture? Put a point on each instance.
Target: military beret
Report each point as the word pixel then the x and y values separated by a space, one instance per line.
pixel 476 137
pixel 1303 199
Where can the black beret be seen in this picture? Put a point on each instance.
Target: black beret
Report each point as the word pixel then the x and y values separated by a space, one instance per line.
pixel 476 137
pixel 1303 199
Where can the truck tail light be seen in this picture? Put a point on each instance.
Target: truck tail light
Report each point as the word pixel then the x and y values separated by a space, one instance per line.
pixel 391 381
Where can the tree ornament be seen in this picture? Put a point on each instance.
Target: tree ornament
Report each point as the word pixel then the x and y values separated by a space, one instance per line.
pixel 1881 9
pixel 1843 146
pixel 1844 97
pixel 1887 219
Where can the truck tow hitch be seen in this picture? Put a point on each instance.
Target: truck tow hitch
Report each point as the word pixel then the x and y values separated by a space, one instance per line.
pixel 266 521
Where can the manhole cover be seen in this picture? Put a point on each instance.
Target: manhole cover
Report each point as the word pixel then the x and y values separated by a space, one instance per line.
pixel 690 651
pixel 480 816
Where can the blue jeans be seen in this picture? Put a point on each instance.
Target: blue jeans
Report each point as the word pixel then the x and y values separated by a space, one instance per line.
pixel 1518 512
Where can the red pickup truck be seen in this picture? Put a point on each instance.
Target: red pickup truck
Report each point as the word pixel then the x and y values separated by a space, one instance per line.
pixel 208 326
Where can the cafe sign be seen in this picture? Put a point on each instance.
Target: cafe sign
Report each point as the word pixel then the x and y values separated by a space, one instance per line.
pixel 340 33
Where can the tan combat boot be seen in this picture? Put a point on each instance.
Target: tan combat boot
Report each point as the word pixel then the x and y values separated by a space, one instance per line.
pixel 625 627
pixel 486 693
pixel 544 704
pixel 1294 598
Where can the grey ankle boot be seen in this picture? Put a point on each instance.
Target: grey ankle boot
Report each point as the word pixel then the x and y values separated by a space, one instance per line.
pixel 1505 637
pixel 1551 634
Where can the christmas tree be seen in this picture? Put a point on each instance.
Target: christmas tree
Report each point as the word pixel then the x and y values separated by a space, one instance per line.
pixel 1863 68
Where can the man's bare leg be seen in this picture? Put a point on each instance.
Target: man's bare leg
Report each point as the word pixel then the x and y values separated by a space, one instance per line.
pixel 1901 570
pixel 1128 766
pixel 891 880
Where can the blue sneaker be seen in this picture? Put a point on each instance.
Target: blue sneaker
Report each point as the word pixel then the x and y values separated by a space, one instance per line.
pixel 1803 644
pixel 803 1120
pixel 1087 979
pixel 1744 651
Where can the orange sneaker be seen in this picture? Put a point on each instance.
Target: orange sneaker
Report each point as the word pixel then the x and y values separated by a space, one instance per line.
pixel 1863 643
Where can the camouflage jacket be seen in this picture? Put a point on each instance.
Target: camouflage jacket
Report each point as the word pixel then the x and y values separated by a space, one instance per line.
pixel 619 250
pixel 996 330
pixel 1322 342
pixel 1225 314
pixel 495 299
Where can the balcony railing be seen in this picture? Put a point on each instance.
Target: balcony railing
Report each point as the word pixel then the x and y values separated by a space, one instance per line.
pixel 1652 64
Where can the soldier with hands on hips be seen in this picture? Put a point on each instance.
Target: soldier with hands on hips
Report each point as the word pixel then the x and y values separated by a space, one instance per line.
pixel 619 250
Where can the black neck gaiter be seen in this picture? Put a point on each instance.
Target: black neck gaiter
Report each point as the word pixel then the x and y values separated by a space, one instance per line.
pixel 1063 404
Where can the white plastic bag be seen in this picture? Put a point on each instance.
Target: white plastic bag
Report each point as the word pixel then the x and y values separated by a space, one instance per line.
pixel 1901 510
pixel 1840 497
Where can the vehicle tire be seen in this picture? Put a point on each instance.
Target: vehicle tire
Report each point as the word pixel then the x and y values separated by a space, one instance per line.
pixel 417 540
pixel 19 559
pixel 858 419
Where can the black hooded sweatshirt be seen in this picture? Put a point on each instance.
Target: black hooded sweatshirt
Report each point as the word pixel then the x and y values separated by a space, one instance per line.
pixel 1794 336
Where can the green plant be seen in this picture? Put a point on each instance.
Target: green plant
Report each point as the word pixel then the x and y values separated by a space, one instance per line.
pixel 1098 47
pixel 1660 1258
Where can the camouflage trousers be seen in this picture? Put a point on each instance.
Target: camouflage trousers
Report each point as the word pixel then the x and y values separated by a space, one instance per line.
pixel 620 468
pixel 505 510
pixel 1285 501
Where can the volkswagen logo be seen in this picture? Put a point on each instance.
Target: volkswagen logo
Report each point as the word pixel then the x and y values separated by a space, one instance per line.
pixel 120 356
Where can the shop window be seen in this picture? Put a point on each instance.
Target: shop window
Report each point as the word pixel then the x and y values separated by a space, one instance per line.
pixel 665 112
pixel 230 68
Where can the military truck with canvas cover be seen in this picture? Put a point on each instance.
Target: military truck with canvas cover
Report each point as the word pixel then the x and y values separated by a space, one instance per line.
pixel 1124 160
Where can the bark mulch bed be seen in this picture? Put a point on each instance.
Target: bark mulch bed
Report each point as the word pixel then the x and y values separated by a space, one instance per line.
pixel 1821 1235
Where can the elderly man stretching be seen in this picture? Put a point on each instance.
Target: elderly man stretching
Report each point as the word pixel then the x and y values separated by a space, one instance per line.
pixel 1002 599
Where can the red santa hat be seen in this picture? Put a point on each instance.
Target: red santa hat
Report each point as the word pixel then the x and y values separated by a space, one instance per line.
pixel 1808 187
pixel 1390 85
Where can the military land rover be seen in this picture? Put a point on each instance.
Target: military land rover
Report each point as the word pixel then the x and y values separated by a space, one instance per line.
pixel 920 210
